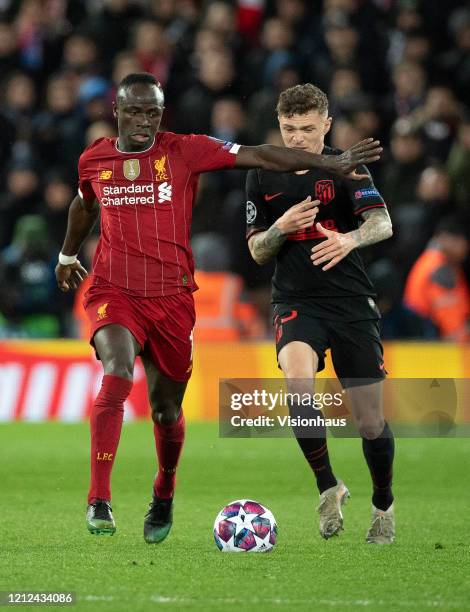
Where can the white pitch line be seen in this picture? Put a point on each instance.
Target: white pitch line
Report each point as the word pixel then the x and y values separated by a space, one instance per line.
pixel 280 601
pixel 458 605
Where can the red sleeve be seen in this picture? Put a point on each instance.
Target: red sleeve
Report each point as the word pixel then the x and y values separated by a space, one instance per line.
pixel 85 189
pixel 203 153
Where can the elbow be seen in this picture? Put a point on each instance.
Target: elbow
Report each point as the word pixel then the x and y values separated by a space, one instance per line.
pixel 258 258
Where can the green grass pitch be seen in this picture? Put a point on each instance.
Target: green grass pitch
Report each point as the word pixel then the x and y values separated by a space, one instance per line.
pixel 44 544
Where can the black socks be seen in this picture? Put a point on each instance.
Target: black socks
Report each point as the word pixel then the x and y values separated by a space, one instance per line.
pixel 379 455
pixel 312 441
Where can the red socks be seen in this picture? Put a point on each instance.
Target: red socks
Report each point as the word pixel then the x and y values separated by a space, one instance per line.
pixel 169 441
pixel 105 426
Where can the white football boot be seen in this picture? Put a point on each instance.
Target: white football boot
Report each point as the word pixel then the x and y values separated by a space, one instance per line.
pixel 329 509
pixel 382 526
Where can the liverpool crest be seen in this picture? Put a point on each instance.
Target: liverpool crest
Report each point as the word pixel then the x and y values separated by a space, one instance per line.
pixel 131 169
pixel 159 165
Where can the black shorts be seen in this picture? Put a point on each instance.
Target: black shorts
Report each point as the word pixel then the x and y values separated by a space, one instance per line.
pixel 356 349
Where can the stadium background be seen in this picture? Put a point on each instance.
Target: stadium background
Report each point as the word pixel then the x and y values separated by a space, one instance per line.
pixel 222 65
pixel 396 70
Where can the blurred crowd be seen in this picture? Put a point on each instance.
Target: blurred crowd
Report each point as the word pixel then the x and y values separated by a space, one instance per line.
pixel 398 70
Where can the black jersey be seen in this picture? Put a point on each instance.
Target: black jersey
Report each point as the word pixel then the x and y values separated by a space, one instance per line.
pixel 342 293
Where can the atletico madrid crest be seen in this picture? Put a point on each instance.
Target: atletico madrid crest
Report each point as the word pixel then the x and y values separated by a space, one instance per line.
pixel 325 191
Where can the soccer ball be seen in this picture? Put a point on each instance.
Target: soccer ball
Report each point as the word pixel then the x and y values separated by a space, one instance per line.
pixel 245 526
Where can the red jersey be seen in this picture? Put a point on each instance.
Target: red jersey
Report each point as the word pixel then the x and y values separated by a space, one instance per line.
pixel 146 203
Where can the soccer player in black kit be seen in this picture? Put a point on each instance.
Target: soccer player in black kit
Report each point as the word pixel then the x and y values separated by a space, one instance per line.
pixel 313 222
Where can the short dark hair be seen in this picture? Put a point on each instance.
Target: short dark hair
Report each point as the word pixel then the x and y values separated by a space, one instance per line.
pixel 301 99
pixel 138 77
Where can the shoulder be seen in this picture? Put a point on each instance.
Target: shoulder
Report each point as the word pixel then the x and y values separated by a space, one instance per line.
pixel 175 143
pixel 267 176
pixel 253 174
pixel 97 148
pixel 166 138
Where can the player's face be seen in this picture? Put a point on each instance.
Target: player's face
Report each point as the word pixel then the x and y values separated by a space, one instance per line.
pixel 306 132
pixel 138 111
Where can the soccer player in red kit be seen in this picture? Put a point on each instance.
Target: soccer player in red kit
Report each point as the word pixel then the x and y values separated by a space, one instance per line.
pixel 140 299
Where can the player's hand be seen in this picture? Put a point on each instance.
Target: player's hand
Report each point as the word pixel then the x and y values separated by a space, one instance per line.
pixel 333 249
pixel 69 277
pixel 298 217
pixel 363 152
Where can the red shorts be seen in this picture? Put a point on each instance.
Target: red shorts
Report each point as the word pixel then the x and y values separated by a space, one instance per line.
pixel 162 325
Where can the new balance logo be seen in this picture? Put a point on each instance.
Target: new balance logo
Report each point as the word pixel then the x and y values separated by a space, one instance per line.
pixel 164 192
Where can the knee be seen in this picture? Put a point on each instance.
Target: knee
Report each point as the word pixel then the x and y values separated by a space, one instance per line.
pixel 370 429
pixel 118 366
pixel 301 371
pixel 164 411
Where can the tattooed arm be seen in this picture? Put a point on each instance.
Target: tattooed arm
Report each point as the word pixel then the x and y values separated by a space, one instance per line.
pixel 376 227
pixel 265 245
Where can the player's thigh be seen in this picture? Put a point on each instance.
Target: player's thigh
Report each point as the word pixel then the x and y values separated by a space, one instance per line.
pixel 297 359
pixel 357 355
pixel 299 363
pixel 117 349
pixel 170 338
pixel 117 331
pixel 165 395
pixel 356 352
pixel 300 344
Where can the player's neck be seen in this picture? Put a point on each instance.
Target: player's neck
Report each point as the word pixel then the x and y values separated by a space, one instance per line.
pixel 122 148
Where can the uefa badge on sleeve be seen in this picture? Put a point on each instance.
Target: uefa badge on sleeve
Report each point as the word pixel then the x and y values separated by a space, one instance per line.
pixel 250 212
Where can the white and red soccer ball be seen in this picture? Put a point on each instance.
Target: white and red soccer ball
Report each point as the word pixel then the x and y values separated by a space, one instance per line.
pixel 245 526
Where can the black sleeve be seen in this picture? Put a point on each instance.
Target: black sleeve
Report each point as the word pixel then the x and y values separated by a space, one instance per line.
pixel 364 194
pixel 257 214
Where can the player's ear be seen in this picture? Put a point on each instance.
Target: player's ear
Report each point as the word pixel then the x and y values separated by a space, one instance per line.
pixel 327 125
pixel 114 110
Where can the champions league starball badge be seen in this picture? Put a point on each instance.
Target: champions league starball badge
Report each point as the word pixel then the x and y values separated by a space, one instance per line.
pixel 250 212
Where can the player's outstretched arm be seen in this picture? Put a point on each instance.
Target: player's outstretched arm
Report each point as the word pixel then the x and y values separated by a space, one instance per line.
pixel 82 217
pixel 377 226
pixel 284 159
pixel 265 245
